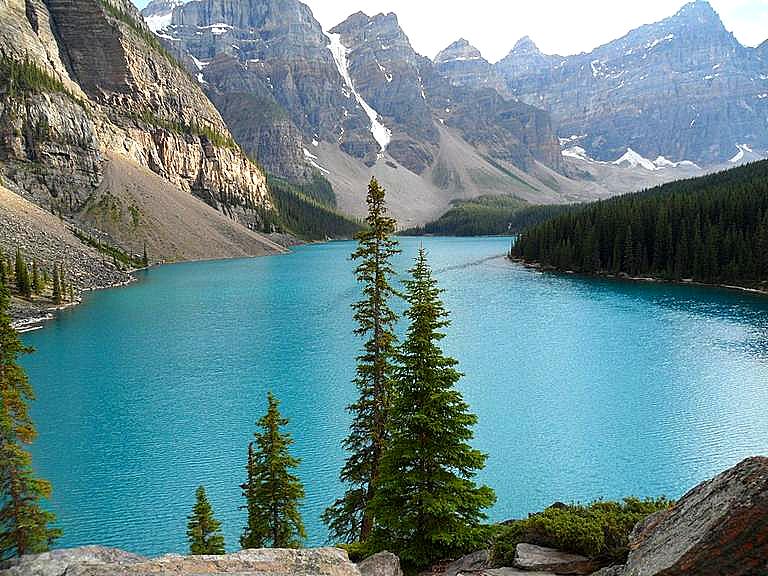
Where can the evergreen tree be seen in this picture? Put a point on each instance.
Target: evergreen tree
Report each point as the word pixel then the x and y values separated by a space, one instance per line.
pixel 57 289
pixel 23 283
pixel 203 530
pixel 273 494
pixel 427 505
pixel 37 285
pixel 145 257
pixel 24 525
pixel 712 229
pixel 349 518
pixel 3 270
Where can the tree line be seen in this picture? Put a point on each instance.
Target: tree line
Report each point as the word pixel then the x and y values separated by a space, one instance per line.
pixel 30 279
pixel 712 229
pixel 487 216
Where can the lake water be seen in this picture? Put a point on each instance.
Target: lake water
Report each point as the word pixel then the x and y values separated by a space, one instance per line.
pixel 584 388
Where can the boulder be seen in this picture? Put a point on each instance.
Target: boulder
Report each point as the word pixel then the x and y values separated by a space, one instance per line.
pixel 105 562
pixel 475 562
pixel 720 527
pixel 381 564
pixel 537 558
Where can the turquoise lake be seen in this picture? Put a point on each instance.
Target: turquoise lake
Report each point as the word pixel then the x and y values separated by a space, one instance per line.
pixel 584 388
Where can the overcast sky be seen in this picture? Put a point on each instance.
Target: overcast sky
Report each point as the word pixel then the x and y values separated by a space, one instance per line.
pixel 562 27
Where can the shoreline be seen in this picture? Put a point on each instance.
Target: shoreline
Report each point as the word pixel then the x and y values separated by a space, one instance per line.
pixel 32 316
pixel 638 279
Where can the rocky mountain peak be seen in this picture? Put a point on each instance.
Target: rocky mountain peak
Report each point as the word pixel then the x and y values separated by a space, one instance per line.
pixel 463 66
pixel 460 50
pixel 525 46
pixel 699 12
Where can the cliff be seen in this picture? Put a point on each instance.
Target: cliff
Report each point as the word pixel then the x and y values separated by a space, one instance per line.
pixel 93 109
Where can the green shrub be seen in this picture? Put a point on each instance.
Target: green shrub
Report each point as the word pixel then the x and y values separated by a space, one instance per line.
pixel 599 530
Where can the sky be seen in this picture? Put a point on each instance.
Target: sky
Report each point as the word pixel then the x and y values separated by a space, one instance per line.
pixel 562 27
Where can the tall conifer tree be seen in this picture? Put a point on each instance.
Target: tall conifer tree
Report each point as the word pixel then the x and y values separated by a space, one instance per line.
pixel 37 285
pixel 23 283
pixel 57 288
pixel 24 525
pixel 272 493
pixel 203 530
pixel 427 504
pixel 349 518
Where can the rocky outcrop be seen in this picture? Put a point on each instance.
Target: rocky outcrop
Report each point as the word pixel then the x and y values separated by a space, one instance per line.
pixel 683 88
pixel 97 561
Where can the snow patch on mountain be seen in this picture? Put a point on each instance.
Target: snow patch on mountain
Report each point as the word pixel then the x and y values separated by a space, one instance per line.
pixel 633 159
pixel 159 22
pixel 312 159
pixel 381 133
pixel 159 13
pixel 745 154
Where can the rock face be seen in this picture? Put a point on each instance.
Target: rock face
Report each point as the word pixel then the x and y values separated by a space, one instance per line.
pixel 268 68
pixel 719 527
pixel 110 90
pixel 683 88
pixel 96 561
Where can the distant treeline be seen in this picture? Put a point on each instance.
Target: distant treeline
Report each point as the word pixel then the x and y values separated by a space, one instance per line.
pixel 308 210
pixel 486 216
pixel 712 229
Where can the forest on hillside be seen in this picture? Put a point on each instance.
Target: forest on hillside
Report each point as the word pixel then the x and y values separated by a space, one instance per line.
pixel 712 229
pixel 487 216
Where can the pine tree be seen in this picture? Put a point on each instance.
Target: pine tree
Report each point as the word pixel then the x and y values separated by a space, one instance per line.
pixel 24 525
pixel 23 284
pixel 37 285
pixel 3 270
pixel 349 518
pixel 427 505
pixel 203 530
pixel 57 289
pixel 273 494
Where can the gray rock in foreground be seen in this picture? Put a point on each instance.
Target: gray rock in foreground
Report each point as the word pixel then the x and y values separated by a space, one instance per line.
pixel 381 564
pixel 537 558
pixel 475 562
pixel 95 561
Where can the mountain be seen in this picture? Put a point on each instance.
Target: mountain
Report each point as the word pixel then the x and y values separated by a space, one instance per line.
pixel 268 67
pixel 357 101
pixel 100 125
pixel 463 65
pixel 683 88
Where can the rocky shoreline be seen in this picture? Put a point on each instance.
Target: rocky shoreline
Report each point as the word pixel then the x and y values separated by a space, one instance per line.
pixel 718 528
